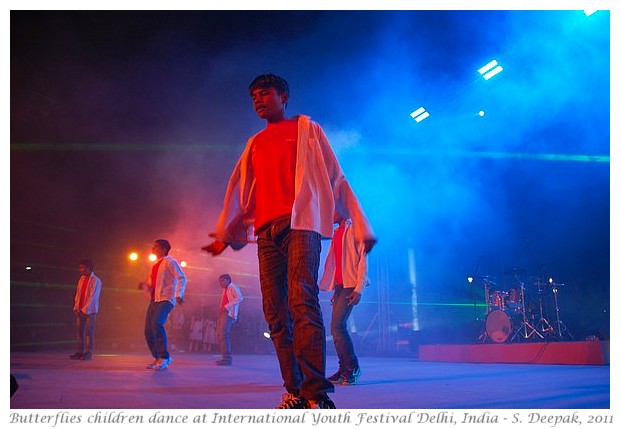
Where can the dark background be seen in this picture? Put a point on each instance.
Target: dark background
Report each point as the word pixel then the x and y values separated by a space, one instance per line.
pixel 125 125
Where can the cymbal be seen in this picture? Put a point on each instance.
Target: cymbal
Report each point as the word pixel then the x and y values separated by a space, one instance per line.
pixel 488 279
pixel 515 271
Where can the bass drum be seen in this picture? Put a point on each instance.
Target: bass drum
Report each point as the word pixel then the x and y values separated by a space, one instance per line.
pixel 499 326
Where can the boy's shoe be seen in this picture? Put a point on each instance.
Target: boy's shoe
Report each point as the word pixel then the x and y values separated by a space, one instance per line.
pixel 324 403
pixel 351 377
pixel 153 364
pixel 223 362
pixel 76 356
pixel 163 364
pixel 336 377
pixel 87 356
pixel 290 401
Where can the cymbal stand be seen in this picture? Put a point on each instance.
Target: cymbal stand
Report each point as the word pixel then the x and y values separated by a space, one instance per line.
pixel 484 335
pixel 543 324
pixel 487 287
pixel 525 328
pixel 561 329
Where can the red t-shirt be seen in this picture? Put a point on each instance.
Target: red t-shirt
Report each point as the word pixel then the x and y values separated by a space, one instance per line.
pixel 274 157
pixel 154 271
pixel 85 280
pixel 337 240
pixel 224 300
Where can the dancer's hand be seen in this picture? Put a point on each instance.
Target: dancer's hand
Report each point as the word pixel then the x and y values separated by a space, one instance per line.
pixel 354 298
pixel 369 244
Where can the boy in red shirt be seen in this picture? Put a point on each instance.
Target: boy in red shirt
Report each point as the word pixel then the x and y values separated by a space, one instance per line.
pixel 86 307
pixel 288 186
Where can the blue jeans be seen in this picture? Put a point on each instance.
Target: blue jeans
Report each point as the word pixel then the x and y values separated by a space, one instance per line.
pixel 85 332
pixel 341 310
pixel 288 262
pixel 154 330
pixel 224 325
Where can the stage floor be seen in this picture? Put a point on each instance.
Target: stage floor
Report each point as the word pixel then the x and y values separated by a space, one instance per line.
pixel 193 381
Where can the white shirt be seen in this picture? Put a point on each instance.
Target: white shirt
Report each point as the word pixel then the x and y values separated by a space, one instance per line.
pixel 170 283
pixel 91 297
pixel 354 264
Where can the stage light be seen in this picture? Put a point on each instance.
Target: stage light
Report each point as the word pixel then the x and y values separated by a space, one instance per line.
pixel 183 264
pixel 28 268
pixel 133 256
pixel 490 70
pixel 152 257
pixel 413 280
pixel 550 280
pixel 487 67
pixel 481 113
pixel 420 114
pixel 470 279
pixel 266 335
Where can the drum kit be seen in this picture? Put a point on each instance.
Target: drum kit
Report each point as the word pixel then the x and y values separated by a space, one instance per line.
pixel 510 317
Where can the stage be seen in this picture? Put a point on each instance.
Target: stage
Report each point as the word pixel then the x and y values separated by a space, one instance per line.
pixel 50 380
pixel 557 353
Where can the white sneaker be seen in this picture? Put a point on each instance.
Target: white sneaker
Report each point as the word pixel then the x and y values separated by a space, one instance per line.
pixel 154 364
pixel 163 364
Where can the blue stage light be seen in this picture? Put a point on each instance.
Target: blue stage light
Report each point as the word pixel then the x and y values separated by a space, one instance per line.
pixel 420 114
pixel 490 70
pixel 487 67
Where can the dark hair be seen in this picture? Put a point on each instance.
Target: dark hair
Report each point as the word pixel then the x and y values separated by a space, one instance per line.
pixel 88 263
pixel 164 245
pixel 270 81
pixel 225 277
